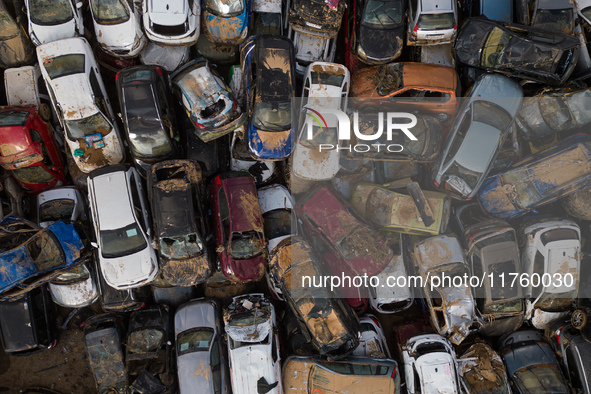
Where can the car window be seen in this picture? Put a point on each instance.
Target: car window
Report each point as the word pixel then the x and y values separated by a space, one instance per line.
pixel 8 27
pixel 109 12
pixel 342 368
pixel 458 138
pixel 37 138
pixel 121 242
pixel 540 378
pixel 494 47
pixel 538 269
pixel 50 12
pixel 413 6
pixel 559 234
pixel 215 367
pixel 45 251
pixel 195 340
pixel 492 115
pixel 571 360
pixel 64 65
pixel 137 205
pixel 40 327
pixel 224 215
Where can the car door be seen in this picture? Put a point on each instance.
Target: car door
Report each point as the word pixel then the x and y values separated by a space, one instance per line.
pixel 139 206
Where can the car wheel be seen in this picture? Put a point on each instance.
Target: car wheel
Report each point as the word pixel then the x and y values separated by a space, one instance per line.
pixel 579 319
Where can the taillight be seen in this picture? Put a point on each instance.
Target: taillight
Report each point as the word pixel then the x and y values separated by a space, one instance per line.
pixel 394 372
pixel 456 26
pixel 117 77
pixel 435 183
pixel 159 70
pixel 377 323
pixel 217 180
pixel 414 31
pixel 199 126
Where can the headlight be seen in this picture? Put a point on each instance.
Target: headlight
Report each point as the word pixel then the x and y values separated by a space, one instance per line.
pixel 361 53
pixel 34 39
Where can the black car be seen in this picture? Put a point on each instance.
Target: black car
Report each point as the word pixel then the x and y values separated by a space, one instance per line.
pixel 148 116
pixel 517 51
pixel 378 30
pixel 28 325
pixel 553 15
pixel 178 200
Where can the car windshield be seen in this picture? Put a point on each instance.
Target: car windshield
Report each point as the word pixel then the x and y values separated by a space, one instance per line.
pixel 355 243
pixel 559 234
pixel 245 245
pixel 277 223
pixel 181 247
pixel 145 340
pixel 225 7
pixel 8 28
pixel 35 174
pixel 249 318
pixel 554 20
pixel 62 66
pixel 327 78
pixel 109 12
pixel 50 12
pixel 540 378
pixel 494 48
pixel 491 114
pixel 468 176
pixel 586 12
pixel 272 116
pixel 45 251
pixel 195 340
pixel 54 210
pixel 122 242
pixel 505 307
pixel 556 302
pixel 78 274
pixel 320 135
pixel 79 128
pixel 381 14
pixel 436 21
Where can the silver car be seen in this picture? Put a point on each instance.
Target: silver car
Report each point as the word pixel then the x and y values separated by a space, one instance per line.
pixel 431 22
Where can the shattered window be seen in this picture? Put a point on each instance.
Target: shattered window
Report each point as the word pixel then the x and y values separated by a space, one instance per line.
pixel 54 210
pixel 277 223
pixel 468 176
pixel 8 27
pixel 557 302
pixel 436 21
pixel 194 340
pixel 143 341
pixel 45 251
pixel 62 66
pixel 77 274
pixel 234 344
pixel 492 52
pixel 50 12
pixel 35 174
pixel 79 128
pixel 109 12
pixel 249 318
pixel 554 20
pixel 320 135
pixel 272 115
pixel 492 115
pixel 245 245
pixel 181 247
pixel 540 378
pixel 225 7
pixel 382 14
pixel 122 242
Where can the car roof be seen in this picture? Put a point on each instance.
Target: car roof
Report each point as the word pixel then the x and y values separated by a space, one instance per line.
pixel 436 5
pixel 243 203
pixel 197 313
pixel 113 213
pixel 174 203
pixel 274 67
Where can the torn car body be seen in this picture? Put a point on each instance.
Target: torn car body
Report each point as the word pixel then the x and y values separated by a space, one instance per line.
pixel 482 371
pixel 241 160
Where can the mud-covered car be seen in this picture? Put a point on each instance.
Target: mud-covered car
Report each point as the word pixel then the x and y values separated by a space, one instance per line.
pixel 310 49
pixel 199 343
pixel 268 64
pixel 238 226
pixel 430 365
pixel 53 20
pixel 531 364
pixel 325 321
pixel 578 204
pixel 147 115
pixel 492 248
pixel 477 135
pixel 372 342
pixel 538 179
pixel 29 324
pixel 179 212
pixel 31 255
pixel 451 309
pixel 353 374
pixel 314 18
pixel 103 336
pixel 276 206
pixel 207 100
pixel 226 22
pixel 174 23
pixel 29 149
pixel 240 160
pixel 551 249
pixel 80 100
pixel 118 27
pixel 519 51
pixel 553 15
pixel 396 211
pixel 552 111
pixel 16 49
pixel 253 345
pixel 482 370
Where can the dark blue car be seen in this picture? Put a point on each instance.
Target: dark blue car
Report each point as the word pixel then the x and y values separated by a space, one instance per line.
pixel 268 64
pixel 538 179
pixel 31 255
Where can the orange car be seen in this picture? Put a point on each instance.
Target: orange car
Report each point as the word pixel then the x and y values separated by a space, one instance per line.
pixel 427 87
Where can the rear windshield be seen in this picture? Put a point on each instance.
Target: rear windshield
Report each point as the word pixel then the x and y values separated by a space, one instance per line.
pixel 109 12
pixel 560 234
pixel 436 21
pixel 62 66
pixel 56 210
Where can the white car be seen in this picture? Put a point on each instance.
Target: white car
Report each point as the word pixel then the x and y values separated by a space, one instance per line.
pixel 52 20
pixel 74 288
pixel 326 85
pixel 552 250
pixel 241 160
pixel 120 218
pixel 253 345
pixel 430 362
pixel 117 27
pixel 80 100
pixel 276 205
pixel 373 341
pixel 175 22
pixel 310 49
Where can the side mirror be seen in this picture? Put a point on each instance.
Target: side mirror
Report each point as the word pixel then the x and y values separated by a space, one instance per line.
pixel 79 5
pixel 94 245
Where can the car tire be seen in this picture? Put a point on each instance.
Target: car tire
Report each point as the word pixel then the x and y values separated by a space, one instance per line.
pixel 45 112
pixel 579 319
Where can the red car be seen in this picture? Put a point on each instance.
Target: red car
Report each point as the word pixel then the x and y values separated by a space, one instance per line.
pixel 28 149
pixel 348 246
pixel 240 241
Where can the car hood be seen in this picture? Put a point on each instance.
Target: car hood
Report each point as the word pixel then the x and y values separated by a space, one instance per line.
pixel 249 364
pixel 168 12
pixel 313 164
pixel 270 145
pixel 437 372
pixel 51 33
pixel 193 315
pixel 252 333
pixel 380 43
pixel 74 295
pixel 131 270
pixel 117 36
pixel 194 371
pixel 92 158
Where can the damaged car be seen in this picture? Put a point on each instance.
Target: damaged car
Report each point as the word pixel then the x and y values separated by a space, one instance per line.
pixel 118 301
pixel 431 22
pixel 207 100
pixel 276 206
pixel 553 15
pixel 16 48
pixel 238 226
pixel 538 179
pixel 482 370
pixel 226 22
pixel 240 160
pixel 477 135
pixel 253 345
pixel 54 20
pixel 451 308
pixel 316 18
pixel 80 99
pixel 373 341
pixel 117 27
pixel 547 57
pixel 172 23
pixel 181 231
pixel 310 49
pixel 268 64
pixel 551 249
pixel 326 322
